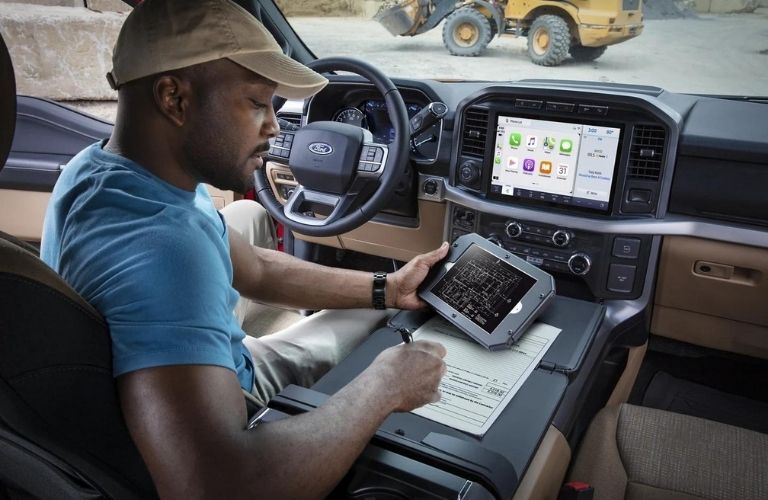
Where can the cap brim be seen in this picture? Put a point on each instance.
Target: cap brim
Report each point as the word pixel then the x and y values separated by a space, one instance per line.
pixel 294 80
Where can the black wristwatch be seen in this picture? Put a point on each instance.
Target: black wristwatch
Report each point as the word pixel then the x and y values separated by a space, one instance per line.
pixel 379 295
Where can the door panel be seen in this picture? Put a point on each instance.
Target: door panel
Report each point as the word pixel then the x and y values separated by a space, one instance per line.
pixel 22 213
pixel 714 294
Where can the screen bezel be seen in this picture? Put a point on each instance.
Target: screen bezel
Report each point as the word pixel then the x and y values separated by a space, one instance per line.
pixel 493 124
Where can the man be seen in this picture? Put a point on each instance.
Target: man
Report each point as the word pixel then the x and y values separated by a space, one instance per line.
pixel 131 227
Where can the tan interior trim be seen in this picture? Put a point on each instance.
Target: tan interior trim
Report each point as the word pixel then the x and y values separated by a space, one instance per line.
pixel 374 238
pixel 397 242
pixel 22 213
pixel 219 197
pixel 280 175
pixel 713 293
pixel 545 474
pixel 390 241
pixel 710 331
pixel 623 387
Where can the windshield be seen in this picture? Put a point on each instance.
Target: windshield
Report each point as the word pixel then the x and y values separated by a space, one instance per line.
pixel 677 45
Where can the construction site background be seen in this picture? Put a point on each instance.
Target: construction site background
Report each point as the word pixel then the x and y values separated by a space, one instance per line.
pixel 83 33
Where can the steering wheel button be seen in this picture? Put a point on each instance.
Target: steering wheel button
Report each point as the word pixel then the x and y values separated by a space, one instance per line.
pixel 379 155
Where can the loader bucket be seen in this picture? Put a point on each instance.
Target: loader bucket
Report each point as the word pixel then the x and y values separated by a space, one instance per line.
pixel 402 19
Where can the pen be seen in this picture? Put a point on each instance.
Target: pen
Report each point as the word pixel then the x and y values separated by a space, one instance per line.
pixel 405 334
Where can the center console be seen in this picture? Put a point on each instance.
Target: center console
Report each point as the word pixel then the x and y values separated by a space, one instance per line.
pixel 450 463
pixel 558 178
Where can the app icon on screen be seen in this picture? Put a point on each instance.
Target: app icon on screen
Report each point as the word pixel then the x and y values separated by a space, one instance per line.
pixel 566 146
pixel 549 142
pixel 497 160
pixel 515 138
pixel 562 170
pixel 545 167
pixel 529 164
pixel 531 141
pixel 513 162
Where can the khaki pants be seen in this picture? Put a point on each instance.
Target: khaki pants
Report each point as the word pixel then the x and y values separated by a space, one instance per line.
pixel 301 353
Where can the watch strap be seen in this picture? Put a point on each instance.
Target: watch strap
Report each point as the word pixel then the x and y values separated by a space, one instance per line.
pixel 379 294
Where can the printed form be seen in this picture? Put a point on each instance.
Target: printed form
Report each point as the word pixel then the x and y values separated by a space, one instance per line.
pixel 478 383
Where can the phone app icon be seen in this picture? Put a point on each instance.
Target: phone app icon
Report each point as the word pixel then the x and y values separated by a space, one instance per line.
pixel 549 142
pixel 513 162
pixel 515 138
pixel 529 164
pixel 497 160
pixel 531 141
pixel 545 167
pixel 566 146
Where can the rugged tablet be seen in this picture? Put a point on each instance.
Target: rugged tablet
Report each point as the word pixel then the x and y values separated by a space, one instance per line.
pixel 487 292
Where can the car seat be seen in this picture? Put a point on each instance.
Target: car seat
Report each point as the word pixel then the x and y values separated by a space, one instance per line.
pixel 62 434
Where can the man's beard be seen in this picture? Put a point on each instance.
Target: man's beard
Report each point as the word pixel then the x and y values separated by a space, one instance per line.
pixel 214 161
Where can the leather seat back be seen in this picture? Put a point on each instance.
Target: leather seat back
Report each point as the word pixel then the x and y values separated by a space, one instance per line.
pixel 59 412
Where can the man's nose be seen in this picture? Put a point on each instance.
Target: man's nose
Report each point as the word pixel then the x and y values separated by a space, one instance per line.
pixel 271 126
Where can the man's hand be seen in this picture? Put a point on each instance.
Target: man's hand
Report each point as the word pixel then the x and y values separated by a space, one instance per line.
pixel 408 375
pixel 402 286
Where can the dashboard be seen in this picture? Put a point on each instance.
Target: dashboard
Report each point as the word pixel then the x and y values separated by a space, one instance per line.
pixel 576 178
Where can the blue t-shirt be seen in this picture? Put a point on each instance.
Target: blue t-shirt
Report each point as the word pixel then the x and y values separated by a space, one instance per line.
pixel 152 258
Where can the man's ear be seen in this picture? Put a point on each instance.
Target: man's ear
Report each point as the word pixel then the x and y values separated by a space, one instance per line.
pixel 172 97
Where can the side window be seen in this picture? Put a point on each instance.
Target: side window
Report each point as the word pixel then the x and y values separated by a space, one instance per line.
pixel 62 53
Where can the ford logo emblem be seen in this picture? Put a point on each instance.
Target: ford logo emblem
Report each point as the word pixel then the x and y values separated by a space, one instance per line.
pixel 321 148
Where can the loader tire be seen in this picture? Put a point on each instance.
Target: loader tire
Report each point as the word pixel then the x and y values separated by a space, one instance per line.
pixel 466 32
pixel 582 53
pixel 549 40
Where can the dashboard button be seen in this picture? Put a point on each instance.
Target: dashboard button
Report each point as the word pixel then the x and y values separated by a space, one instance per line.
pixel 621 278
pixel 639 196
pixel 561 106
pixel 561 238
pixel 430 187
pixel 536 261
pixel 591 109
pixel 528 104
pixel 626 248
pixel 469 172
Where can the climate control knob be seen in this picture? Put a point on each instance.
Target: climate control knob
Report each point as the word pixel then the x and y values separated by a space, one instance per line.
pixel 513 229
pixel 561 238
pixel 579 264
pixel 469 172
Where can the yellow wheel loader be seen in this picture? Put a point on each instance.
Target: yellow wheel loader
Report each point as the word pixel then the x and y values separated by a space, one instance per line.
pixel 554 28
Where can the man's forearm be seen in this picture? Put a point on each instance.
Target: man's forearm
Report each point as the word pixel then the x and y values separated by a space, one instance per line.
pixel 277 278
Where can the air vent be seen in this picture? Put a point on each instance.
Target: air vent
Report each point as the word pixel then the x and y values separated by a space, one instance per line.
pixel 646 153
pixel 294 118
pixel 475 132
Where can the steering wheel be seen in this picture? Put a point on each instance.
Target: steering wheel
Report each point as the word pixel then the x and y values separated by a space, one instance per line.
pixel 337 165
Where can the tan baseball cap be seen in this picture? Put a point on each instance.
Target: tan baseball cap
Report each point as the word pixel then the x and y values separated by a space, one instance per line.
pixel 162 35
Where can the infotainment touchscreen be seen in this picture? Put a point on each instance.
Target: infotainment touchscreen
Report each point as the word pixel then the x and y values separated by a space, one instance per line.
pixel 571 164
